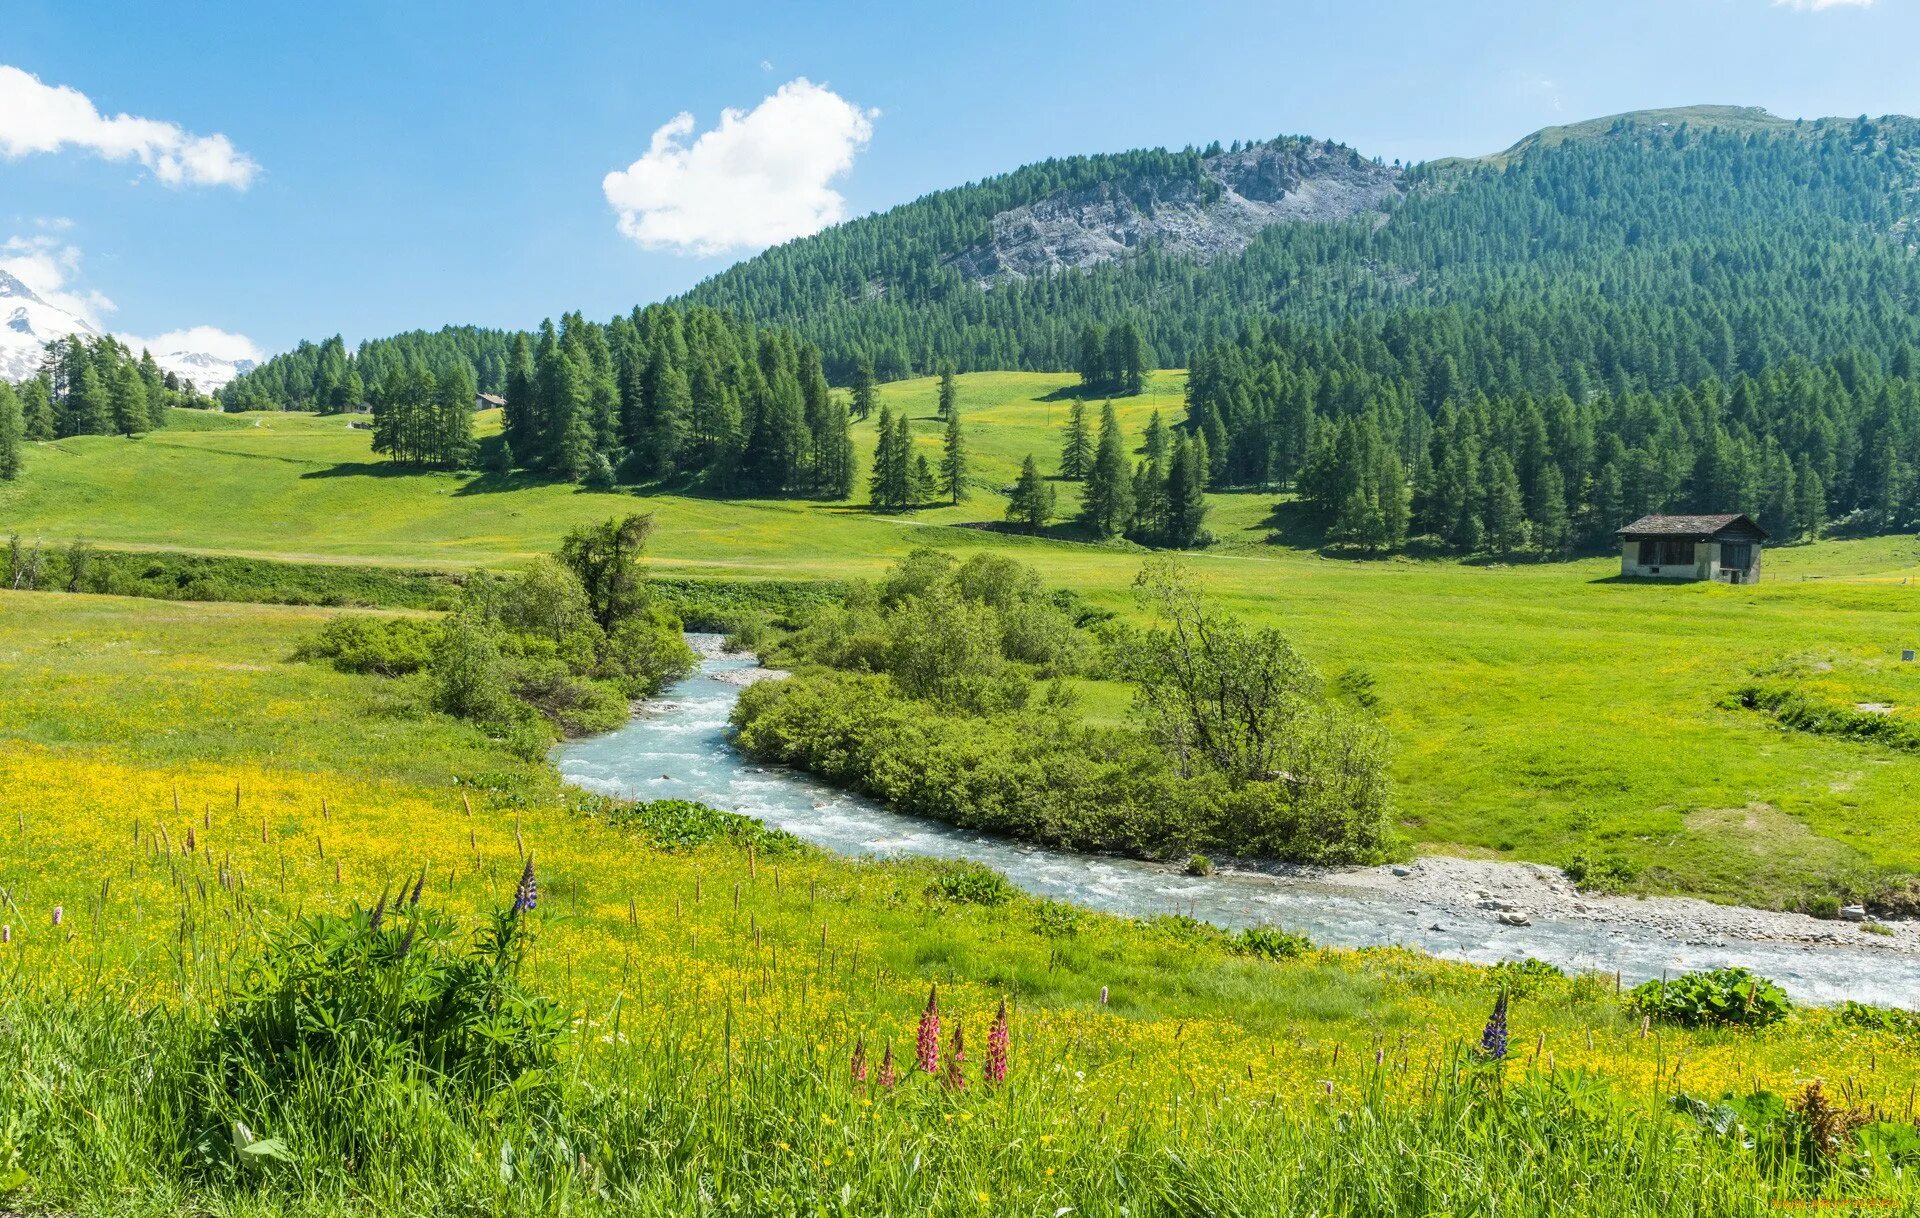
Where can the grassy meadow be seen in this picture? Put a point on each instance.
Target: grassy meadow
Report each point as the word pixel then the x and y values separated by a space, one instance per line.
pixel 173 786
pixel 1538 710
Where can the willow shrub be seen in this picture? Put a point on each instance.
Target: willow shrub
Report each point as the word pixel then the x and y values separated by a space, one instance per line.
pixel 1036 774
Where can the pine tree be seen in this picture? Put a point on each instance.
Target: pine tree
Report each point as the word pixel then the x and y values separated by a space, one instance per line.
pixel 1093 358
pixel 863 393
pixel 1107 505
pixel 13 430
pixel 924 484
pixel 1076 456
pixel 453 419
pixel 36 405
pixel 1032 501
pixel 521 422
pixel 1186 493
pixel 89 406
pixel 949 394
pixel 953 459
pixel 1156 439
pixel 1126 359
pixel 1810 513
pixel 1506 516
pixel 669 423
pixel 887 487
pixel 1552 531
pixel 129 399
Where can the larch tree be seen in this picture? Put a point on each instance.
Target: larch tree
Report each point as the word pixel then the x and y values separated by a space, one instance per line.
pixel 1032 501
pixel 953 457
pixel 1076 455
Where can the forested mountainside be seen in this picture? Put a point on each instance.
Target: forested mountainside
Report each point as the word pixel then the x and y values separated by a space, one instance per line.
pixel 1666 210
pixel 1710 308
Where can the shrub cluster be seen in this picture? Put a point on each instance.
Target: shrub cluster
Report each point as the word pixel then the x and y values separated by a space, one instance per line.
pixel 166 575
pixel 940 690
pixel 1733 997
pixel 563 646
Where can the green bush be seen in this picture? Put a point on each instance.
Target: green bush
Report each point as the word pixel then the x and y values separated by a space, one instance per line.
pixel 1057 920
pixel 1271 943
pixel 961 882
pixel 1731 997
pixel 340 1006
pixel 1190 931
pixel 387 647
pixel 681 824
pixel 1824 906
pixel 1600 873
pixel 1199 864
pixel 1039 775
pixel 1902 1023
pixel 1524 978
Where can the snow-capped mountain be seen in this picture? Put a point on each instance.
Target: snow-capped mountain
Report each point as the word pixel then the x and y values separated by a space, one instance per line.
pixel 28 323
pixel 207 372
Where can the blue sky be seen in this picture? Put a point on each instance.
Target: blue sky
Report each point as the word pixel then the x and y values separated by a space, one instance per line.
pixel 366 168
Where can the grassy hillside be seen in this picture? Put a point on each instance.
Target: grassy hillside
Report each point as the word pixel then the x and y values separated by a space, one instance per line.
pixel 176 787
pixel 1537 710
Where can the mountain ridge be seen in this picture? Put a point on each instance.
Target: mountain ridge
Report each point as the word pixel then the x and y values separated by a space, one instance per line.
pixel 28 322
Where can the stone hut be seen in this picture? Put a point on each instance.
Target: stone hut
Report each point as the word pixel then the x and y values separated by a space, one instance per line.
pixel 1722 548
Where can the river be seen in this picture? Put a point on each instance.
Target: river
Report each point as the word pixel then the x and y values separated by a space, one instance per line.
pixel 678 747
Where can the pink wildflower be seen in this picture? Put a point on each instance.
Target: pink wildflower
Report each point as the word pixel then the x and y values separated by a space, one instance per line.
pixel 860 1060
pixel 997 1047
pixel 1103 995
pixel 928 1041
pixel 954 1079
pixel 888 1075
pixel 59 913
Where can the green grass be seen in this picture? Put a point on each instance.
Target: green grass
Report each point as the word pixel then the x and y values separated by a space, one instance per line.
pixel 716 996
pixel 1537 709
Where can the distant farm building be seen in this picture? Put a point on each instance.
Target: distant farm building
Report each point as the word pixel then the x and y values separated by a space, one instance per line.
pixel 1723 548
pixel 489 401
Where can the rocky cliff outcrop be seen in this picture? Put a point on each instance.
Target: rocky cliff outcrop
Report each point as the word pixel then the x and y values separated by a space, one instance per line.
pixel 1238 194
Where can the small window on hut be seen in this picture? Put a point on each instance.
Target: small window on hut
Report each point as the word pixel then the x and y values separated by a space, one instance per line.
pixel 1666 552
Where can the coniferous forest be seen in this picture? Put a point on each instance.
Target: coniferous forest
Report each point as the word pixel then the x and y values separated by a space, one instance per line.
pixel 1516 355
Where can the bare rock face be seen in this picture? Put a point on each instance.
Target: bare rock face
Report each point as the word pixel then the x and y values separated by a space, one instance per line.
pixel 1242 193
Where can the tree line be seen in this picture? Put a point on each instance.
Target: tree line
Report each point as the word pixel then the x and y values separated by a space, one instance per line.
pixel 88 387
pixel 672 394
pixel 1791 235
pixel 326 378
pixel 1388 441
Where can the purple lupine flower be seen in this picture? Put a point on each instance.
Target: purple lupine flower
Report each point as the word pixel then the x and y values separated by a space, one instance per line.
pixel 527 895
pixel 6 933
pixel 997 1047
pixel 59 913
pixel 419 885
pixel 888 1075
pixel 1493 1041
pixel 1103 995
pixel 860 1060
pixel 927 1042
pixel 954 1080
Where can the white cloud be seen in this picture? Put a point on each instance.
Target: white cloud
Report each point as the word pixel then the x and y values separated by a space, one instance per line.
pixel 37 117
pixel 759 178
pixel 198 340
pixel 1815 6
pixel 48 265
